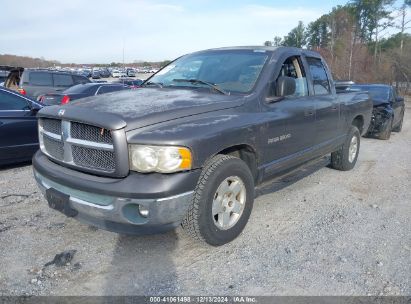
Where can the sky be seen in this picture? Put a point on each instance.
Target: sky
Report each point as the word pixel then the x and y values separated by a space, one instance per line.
pixel 92 31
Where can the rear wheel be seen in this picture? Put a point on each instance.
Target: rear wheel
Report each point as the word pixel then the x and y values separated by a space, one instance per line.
pixel 398 127
pixel 345 158
pixel 222 201
pixel 386 134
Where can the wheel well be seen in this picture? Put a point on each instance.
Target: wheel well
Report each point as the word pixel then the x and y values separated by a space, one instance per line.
pixel 246 153
pixel 359 123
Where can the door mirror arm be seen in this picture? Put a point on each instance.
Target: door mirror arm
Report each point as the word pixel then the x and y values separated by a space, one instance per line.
pixel 273 99
pixel 34 107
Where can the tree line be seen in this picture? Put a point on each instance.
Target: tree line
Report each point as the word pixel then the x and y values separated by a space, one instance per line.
pixel 30 62
pixel 354 39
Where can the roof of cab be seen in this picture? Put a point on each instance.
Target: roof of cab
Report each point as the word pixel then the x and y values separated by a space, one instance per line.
pixel 271 49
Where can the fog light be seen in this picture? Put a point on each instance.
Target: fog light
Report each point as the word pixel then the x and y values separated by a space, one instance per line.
pixel 143 210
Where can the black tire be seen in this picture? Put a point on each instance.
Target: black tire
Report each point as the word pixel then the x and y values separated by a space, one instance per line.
pixel 340 159
pixel 386 134
pixel 398 127
pixel 199 222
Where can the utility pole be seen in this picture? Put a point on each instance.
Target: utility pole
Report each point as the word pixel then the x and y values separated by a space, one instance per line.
pixel 403 24
pixel 123 52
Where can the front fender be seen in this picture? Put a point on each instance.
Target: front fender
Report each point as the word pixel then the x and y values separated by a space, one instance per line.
pixel 381 116
pixel 205 135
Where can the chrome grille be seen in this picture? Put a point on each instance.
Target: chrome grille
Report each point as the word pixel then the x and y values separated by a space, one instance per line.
pixel 52 125
pixel 92 133
pixel 53 147
pixel 77 144
pixel 93 158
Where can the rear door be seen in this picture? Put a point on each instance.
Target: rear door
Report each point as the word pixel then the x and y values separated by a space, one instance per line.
pixel 18 128
pixel 327 105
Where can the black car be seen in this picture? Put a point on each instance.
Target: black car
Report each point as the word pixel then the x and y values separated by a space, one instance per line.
pixel 35 82
pixel 80 91
pixel 18 127
pixel 104 73
pixel 95 74
pixel 132 83
pixel 388 111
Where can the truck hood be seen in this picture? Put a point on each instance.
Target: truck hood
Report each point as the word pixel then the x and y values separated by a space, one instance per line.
pixel 132 109
pixel 380 102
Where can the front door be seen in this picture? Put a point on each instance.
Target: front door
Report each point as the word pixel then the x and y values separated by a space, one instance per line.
pixel 18 128
pixel 290 122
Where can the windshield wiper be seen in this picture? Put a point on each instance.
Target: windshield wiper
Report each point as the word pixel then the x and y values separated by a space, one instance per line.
pixel 158 84
pixel 198 81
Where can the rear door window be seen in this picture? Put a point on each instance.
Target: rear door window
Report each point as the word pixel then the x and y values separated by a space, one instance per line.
pixel 9 101
pixel 319 76
pixel 62 80
pixel 40 79
pixel 108 89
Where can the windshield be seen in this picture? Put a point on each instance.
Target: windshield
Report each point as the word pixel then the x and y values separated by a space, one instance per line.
pixel 230 71
pixel 376 93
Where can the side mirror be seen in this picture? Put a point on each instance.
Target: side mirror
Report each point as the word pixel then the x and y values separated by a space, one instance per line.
pixel 399 99
pixel 285 86
pixel 35 107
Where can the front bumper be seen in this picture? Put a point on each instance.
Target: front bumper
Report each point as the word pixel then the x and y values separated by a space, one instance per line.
pixel 111 209
pixel 379 120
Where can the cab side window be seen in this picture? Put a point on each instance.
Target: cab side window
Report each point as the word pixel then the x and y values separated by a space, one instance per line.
pixel 319 76
pixel 293 68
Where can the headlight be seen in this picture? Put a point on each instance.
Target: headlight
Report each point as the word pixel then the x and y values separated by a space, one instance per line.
pixel 163 159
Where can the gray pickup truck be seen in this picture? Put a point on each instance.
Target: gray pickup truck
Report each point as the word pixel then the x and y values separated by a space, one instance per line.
pixel 190 147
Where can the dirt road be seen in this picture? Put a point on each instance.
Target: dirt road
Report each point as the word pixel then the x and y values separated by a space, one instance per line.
pixel 331 233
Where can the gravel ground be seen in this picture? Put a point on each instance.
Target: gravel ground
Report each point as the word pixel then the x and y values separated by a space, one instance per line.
pixel 330 233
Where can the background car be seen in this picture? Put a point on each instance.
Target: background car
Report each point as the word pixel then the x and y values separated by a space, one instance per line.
pixel 104 73
pixel 131 82
pixel 3 75
pixel 18 127
pixel 131 73
pixel 388 110
pixel 81 91
pixel 35 82
pixel 85 73
pixel 95 74
pixel 115 73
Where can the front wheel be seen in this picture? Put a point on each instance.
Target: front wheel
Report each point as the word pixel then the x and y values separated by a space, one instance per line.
pixel 345 158
pixel 386 134
pixel 222 201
